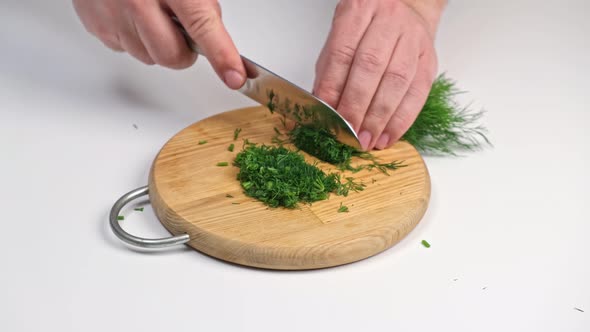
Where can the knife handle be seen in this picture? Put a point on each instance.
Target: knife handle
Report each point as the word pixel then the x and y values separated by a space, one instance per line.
pixel 189 41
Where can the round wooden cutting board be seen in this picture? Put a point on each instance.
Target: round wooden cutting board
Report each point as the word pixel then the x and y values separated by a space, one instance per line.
pixel 191 194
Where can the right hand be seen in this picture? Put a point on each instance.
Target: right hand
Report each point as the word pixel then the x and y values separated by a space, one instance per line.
pixel 144 29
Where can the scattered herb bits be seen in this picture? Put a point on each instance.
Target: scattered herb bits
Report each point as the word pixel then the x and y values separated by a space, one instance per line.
pixel 342 208
pixel 425 244
pixel 230 148
pixel 222 164
pixel 229 196
pixel 120 218
pixel 237 133
pixel 140 209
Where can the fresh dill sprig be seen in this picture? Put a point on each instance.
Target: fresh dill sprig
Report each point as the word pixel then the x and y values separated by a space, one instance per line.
pixel 443 127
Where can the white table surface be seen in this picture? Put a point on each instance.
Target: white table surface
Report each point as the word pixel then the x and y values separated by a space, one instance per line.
pixel 508 226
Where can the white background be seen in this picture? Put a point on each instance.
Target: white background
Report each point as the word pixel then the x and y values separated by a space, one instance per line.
pixel 508 226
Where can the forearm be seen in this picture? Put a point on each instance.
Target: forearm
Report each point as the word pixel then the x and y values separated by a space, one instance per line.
pixel 429 10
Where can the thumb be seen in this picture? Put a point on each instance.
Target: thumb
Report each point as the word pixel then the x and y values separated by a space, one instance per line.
pixel 202 21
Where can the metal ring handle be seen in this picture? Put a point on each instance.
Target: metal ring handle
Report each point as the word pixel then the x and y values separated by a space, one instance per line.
pixel 137 241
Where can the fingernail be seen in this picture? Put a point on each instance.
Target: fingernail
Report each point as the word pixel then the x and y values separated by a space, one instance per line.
pixel 382 142
pixel 233 79
pixel 365 139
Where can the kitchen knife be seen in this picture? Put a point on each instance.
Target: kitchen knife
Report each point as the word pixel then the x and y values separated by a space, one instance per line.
pixel 286 98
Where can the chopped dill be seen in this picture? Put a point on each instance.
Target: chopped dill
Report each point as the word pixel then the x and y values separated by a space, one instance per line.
pixel 223 164
pixel 342 208
pixel 323 145
pixel 202 142
pixel 237 133
pixel 230 148
pixel 228 196
pixel 278 176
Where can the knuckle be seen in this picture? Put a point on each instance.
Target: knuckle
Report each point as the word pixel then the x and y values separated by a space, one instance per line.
pixel 417 92
pixel 369 61
pixel 356 4
pixel 175 58
pixel 398 77
pixel 136 7
pixel 343 55
pixel 350 110
pixel 202 23
pixel 390 7
pixel 380 113
pixel 328 93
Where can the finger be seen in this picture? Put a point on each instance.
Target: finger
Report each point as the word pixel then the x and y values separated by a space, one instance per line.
pixel 162 39
pixel 113 43
pixel 413 101
pixel 129 37
pixel 393 86
pixel 202 21
pixel 370 62
pixel 349 25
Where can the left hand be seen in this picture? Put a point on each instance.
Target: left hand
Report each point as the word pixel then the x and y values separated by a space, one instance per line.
pixel 378 65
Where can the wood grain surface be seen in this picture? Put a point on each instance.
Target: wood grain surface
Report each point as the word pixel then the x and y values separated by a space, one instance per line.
pixel 189 195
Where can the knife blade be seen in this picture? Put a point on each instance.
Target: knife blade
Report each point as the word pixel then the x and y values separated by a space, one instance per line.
pixel 288 99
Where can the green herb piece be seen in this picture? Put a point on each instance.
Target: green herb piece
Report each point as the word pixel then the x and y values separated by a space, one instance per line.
pixel 342 208
pixel 140 209
pixel 223 164
pixel 120 218
pixel 425 243
pixel 344 188
pixel 230 148
pixel 383 167
pixel 443 127
pixel 229 196
pixel 321 144
pixel 278 176
pixel 202 142
pixel 237 133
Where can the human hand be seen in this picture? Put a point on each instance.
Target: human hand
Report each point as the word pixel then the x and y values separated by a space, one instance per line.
pixel 144 29
pixel 378 65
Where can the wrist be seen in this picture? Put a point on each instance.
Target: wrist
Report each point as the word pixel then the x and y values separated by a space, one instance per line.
pixel 429 10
